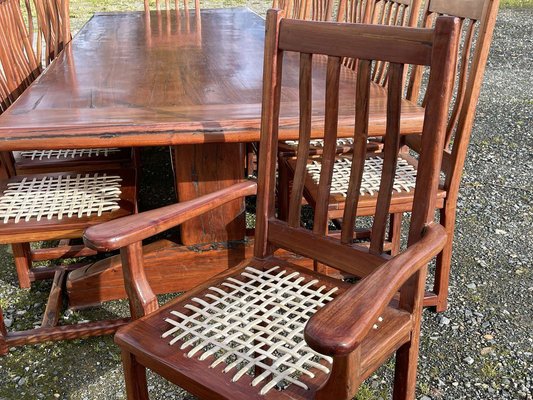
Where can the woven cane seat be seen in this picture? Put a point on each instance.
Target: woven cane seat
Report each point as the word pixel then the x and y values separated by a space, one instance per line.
pixel 64 160
pixel 67 153
pixel 404 180
pixel 246 329
pixel 316 146
pixel 45 200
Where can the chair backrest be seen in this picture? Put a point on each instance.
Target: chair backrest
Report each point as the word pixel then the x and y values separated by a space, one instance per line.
pixel 366 43
pixel 477 18
pixel 18 64
pixel 174 27
pixel 378 12
pixel 167 4
pixel 314 10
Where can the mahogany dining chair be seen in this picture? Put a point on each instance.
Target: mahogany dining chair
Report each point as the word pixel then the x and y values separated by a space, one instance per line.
pixel 51 205
pixel 268 328
pixel 477 19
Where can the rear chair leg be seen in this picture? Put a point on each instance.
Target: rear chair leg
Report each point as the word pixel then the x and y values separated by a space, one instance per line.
pixel 135 377
pixel 395 232
pixel 22 255
pixel 3 335
pixel 444 261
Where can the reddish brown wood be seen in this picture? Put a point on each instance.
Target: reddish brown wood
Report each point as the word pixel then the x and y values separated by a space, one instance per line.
pixel 21 254
pixel 140 226
pixel 70 251
pixel 204 169
pixel 182 112
pixel 354 323
pixel 344 327
pixel 140 295
pixel 54 303
pixel 135 376
pixel 167 266
pixel 341 384
pixel 66 332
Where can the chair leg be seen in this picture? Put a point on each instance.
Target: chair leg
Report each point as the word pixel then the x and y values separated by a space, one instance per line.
pixel 444 260
pixel 22 255
pixel 283 191
pixel 135 377
pixel 3 335
pixel 405 371
pixel 395 232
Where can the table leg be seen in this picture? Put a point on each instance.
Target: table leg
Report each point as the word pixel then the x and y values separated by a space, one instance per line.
pixel 203 169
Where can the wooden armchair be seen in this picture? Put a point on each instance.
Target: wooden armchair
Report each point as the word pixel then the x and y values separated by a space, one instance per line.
pixel 268 328
pixel 478 15
pixel 378 12
pixel 56 206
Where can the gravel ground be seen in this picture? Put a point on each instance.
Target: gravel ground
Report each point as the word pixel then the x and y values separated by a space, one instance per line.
pixel 481 348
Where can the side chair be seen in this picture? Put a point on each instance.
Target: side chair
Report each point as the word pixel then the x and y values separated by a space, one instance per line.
pixel 269 329
pixel 382 12
pixel 477 19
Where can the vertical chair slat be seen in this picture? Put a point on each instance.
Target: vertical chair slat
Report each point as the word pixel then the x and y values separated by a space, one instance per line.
pixel 463 76
pixel 272 69
pixel 359 149
pixel 392 146
pixel 306 106
pixel 330 144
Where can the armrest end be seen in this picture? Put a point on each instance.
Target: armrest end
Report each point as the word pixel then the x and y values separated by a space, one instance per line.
pixel 339 327
pixel 121 232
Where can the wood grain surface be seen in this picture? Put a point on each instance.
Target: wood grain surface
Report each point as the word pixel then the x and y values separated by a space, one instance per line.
pixel 119 83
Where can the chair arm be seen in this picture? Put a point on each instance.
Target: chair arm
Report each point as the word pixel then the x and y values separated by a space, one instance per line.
pixel 340 326
pixel 124 231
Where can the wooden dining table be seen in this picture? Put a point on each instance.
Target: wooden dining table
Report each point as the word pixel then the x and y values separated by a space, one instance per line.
pixel 191 80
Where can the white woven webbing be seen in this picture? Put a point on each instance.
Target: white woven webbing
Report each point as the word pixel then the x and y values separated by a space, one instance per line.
pixel 320 142
pixel 257 322
pixel 60 196
pixel 404 179
pixel 67 153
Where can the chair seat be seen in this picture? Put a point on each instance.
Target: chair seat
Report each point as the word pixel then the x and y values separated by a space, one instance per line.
pixel 71 199
pixel 404 181
pixel 403 188
pixel 244 332
pixel 316 146
pixel 82 159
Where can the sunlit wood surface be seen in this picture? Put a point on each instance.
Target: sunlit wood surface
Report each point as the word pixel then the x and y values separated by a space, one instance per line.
pixel 128 79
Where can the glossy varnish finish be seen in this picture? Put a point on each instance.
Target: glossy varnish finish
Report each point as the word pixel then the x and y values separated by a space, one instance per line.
pixel 343 329
pixel 114 86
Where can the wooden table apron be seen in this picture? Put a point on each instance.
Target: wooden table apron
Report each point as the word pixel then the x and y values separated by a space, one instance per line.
pixel 184 80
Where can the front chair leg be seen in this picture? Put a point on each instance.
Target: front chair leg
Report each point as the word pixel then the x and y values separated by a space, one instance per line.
pixel 444 260
pixel 135 377
pixel 341 383
pixel 21 253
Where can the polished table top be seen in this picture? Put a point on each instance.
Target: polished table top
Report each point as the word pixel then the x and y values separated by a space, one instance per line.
pixel 128 79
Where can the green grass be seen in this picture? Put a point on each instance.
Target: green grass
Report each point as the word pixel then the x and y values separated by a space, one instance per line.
pixel 516 3
pixel 82 10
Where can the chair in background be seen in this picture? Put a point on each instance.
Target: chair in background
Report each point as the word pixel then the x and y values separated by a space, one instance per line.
pixel 168 5
pixel 382 12
pixel 53 28
pixel 25 216
pixel 267 328
pixel 47 38
pixel 477 18
pixel 315 10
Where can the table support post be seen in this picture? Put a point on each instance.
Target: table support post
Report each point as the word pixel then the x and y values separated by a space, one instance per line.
pixel 203 169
